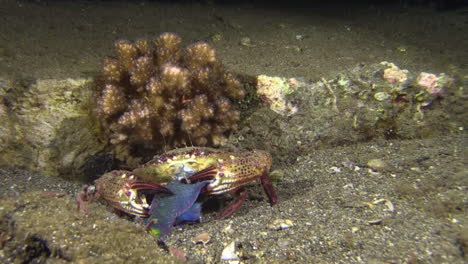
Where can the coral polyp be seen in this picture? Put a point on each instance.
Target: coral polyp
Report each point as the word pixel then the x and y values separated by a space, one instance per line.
pixel 158 94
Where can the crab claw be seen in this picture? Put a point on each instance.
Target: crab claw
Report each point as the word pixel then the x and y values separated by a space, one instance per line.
pixel 126 193
pixel 136 192
pixel 227 181
pixel 203 175
pixel 153 187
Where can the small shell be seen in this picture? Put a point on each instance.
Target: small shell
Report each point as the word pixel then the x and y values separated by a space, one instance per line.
pixel 390 207
pixel 202 238
pixel 229 252
pixel 374 222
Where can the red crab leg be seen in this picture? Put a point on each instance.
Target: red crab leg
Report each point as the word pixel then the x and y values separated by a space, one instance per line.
pixel 268 187
pixel 203 175
pixel 141 185
pixel 230 209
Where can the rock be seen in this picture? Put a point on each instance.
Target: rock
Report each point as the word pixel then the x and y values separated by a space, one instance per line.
pixel 274 92
pixel 47 126
pixel 434 85
pixel 395 76
pixel 381 96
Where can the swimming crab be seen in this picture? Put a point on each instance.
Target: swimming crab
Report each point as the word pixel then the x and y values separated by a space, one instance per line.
pixel 225 171
pixel 228 171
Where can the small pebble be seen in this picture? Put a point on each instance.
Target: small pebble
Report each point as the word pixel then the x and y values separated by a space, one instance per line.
pixel 178 253
pixel 381 96
pixel 228 229
pixel 283 243
pixel 348 164
pixel 276 175
pixel 216 37
pixel 294 48
pixel 246 42
pixel 377 164
pixel 280 224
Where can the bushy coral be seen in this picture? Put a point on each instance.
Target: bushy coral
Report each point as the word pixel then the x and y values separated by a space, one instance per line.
pixel 156 93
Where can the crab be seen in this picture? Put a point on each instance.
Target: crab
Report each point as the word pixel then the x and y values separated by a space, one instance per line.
pixel 225 172
pixel 228 171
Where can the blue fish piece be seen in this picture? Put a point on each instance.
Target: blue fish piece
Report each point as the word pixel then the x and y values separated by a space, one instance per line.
pixel 191 215
pixel 169 210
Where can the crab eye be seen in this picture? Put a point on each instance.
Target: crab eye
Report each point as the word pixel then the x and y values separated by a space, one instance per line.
pixel 128 193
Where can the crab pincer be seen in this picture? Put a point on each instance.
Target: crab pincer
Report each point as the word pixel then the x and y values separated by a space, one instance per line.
pixel 126 193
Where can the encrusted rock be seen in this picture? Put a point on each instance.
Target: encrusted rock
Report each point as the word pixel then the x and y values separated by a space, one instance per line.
pixel 274 92
pixel 46 126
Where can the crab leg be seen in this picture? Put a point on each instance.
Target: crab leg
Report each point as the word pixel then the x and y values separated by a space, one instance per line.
pixel 230 209
pixel 268 187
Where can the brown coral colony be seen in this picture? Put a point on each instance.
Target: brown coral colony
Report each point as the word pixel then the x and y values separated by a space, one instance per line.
pixel 156 93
